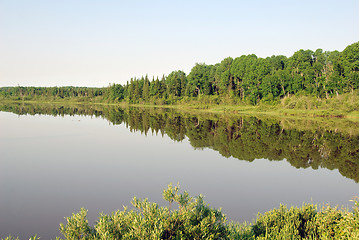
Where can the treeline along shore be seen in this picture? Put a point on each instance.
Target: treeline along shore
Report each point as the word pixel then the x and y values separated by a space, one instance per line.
pixel 307 80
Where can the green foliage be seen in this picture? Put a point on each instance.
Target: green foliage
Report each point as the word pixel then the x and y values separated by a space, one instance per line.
pixel 200 80
pixel 307 223
pixel 77 94
pixel 77 226
pixel 223 77
pixel 193 219
pixel 176 83
pixel 345 103
pixel 116 92
pixel 286 223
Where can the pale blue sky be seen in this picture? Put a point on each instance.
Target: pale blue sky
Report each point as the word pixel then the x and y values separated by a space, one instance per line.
pixel 94 43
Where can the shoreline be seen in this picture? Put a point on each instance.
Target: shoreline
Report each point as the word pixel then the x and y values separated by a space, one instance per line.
pixel 263 110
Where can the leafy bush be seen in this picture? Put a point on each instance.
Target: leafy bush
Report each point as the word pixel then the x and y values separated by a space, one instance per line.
pixel 307 223
pixel 193 219
pixel 287 224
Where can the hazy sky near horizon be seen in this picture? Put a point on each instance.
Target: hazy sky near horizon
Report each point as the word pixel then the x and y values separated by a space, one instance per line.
pixel 95 43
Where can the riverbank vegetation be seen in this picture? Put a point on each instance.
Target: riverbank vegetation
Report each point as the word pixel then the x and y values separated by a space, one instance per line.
pixel 188 217
pixel 310 82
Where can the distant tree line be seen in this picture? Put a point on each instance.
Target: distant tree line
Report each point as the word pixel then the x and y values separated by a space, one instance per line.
pixel 247 78
pixel 59 92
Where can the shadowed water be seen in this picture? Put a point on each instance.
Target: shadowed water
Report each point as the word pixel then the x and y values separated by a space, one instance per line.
pixel 57 159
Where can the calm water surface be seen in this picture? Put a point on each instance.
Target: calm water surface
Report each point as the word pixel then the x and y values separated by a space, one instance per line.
pixel 51 166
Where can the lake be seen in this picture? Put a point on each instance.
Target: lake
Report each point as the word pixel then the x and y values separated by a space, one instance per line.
pixel 56 159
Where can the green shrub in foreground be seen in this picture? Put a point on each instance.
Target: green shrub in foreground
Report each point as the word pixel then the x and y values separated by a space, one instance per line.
pixel 286 223
pixel 193 219
pixel 307 223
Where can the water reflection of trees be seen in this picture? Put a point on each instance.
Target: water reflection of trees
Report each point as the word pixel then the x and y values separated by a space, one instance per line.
pixel 244 138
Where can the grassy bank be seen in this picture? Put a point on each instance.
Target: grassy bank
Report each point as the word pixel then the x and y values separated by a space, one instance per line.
pixel 341 106
pixel 191 218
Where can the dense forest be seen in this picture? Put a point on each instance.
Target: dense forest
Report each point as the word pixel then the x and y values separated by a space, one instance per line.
pixel 248 79
pixel 244 138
